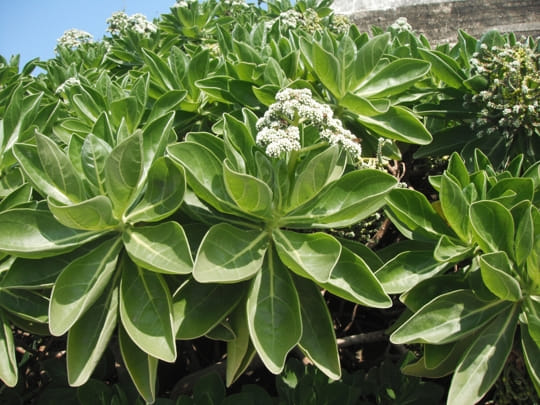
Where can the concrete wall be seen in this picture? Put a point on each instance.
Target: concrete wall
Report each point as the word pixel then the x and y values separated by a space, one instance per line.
pixel 439 20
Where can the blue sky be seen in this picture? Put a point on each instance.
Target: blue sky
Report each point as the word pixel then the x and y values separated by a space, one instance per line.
pixel 31 27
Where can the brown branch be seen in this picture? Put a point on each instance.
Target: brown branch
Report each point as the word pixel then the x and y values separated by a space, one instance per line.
pixel 362 338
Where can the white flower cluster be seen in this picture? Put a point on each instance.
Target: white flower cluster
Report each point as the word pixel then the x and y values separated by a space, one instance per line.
pixel 73 38
pixel 401 25
pixel 234 3
pixel 72 81
pixel 509 105
pixel 278 128
pixel 119 22
pixel 340 23
pixel 292 19
pixel 183 3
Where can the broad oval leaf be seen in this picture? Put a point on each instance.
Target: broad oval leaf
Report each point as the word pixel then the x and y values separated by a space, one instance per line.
pixel 407 269
pixel 80 284
pixel 496 271
pixel 531 355
pixel 94 152
pixel 146 311
pixel 448 250
pixel 89 336
pixel 94 214
pixel 318 338
pixel 228 254
pixel 195 310
pixel 343 202
pixel 30 305
pixel 353 280
pixel 28 158
pixel 493 226
pixel 35 233
pixel 319 171
pixel 455 207
pixel 123 169
pixel 273 312
pixel 393 78
pixel 398 123
pixel 443 68
pixel 481 365
pixel 8 364
pixel 414 216
pixel 165 188
pixel 141 367
pixel 248 192
pixel 59 169
pixel 448 318
pixel 155 137
pixel 204 173
pixel 163 248
pixel 240 351
pixel 311 255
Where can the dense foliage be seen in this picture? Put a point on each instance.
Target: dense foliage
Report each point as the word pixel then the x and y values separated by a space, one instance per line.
pixel 239 174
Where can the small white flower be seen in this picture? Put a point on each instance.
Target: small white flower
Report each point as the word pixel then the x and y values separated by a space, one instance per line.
pixel 73 38
pixel 72 81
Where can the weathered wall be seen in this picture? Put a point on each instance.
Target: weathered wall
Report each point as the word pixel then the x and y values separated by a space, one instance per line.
pixel 440 20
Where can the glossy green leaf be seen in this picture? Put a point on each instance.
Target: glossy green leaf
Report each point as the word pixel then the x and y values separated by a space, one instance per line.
pixel 318 340
pixel 59 168
pixel 94 214
pixel 17 197
pixel 273 312
pixel 369 55
pixel 89 336
pixel 353 280
pixel 363 106
pixel 344 202
pixel 80 284
pixel 248 192
pixel 163 248
pixel 8 362
pixel 141 367
pixel 393 78
pixel 128 109
pixel 204 172
pixel 228 254
pixel 123 169
pixel 455 207
pixel 399 124
pixel 27 274
pixel 163 195
pixel 483 362
pixel 438 360
pixel 448 317
pixel 414 216
pixel 443 68
pixel 35 233
pixel 328 70
pixel 407 269
pixel 31 305
pixel 524 238
pixel 155 138
pixel 493 226
pixel 531 354
pixel 169 101
pixel 449 250
pixel 319 171
pixel 195 310
pixel 94 153
pixel 496 271
pixel 146 311
pixel 239 135
pixel 240 351
pixel 28 158
pixel 456 167
pixel 311 255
